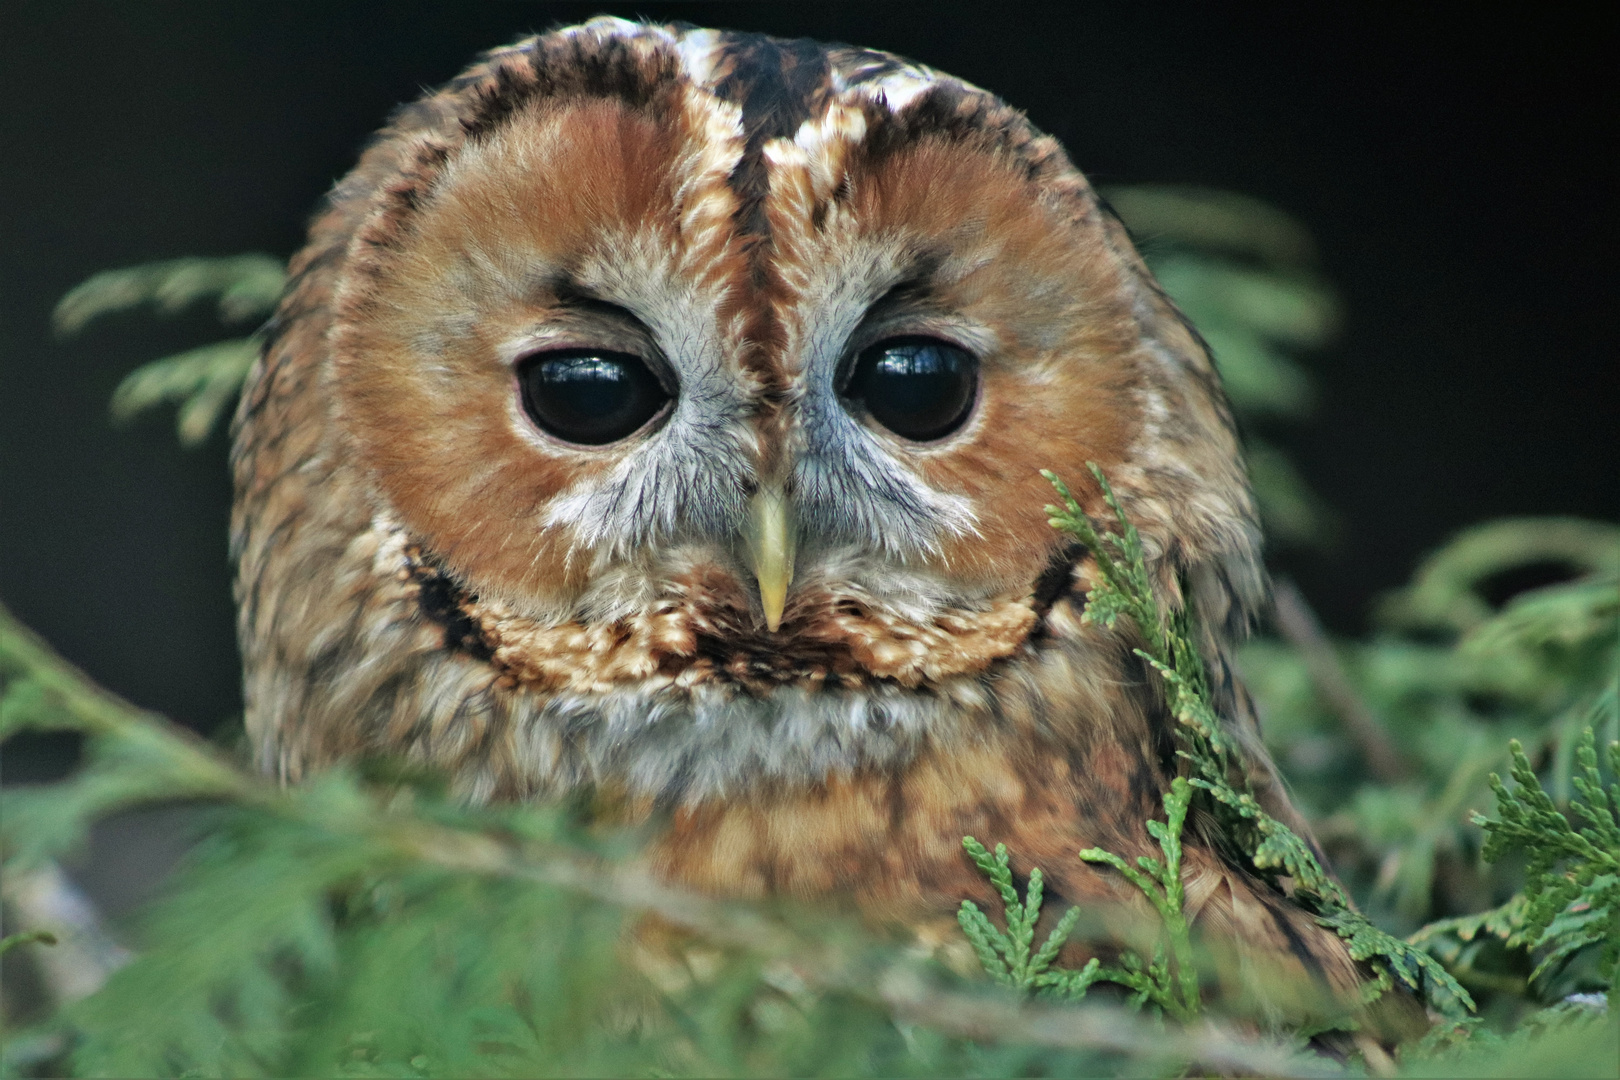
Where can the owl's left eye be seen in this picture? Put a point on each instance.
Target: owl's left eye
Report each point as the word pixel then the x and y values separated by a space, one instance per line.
pixel 589 396
pixel 919 388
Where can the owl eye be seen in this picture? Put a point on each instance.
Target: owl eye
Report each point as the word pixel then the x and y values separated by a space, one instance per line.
pixel 589 396
pixel 918 388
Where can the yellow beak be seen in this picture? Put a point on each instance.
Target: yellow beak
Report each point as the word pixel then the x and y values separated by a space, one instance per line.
pixel 772 538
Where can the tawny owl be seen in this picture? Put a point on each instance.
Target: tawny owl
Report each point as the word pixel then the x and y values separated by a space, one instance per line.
pixel 659 412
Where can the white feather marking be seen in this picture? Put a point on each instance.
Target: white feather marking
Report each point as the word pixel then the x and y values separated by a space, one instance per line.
pixel 697 49
pixel 607 27
pixel 900 88
pixel 825 141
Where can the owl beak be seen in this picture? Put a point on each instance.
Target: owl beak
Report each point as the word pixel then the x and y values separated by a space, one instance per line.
pixel 772 536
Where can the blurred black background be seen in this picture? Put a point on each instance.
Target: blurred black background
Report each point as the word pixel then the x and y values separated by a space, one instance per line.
pixel 1449 162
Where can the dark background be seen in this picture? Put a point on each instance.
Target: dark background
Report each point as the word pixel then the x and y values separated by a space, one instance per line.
pixel 1448 163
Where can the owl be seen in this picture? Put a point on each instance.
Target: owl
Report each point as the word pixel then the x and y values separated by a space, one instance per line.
pixel 656 417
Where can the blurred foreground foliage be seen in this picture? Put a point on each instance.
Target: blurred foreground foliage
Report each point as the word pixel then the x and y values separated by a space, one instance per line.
pixel 366 924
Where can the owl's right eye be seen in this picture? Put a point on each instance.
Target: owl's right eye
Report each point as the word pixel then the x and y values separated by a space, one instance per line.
pixel 589 396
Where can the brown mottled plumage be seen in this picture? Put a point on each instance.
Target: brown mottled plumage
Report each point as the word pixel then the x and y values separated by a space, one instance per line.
pixel 424 570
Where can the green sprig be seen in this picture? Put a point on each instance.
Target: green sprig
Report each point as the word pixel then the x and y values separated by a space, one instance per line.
pixel 1572 875
pixel 203 382
pixel 1174 983
pixel 1122 586
pixel 1007 957
pixel 1169 982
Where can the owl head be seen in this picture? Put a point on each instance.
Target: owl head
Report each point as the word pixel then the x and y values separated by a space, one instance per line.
pixel 669 405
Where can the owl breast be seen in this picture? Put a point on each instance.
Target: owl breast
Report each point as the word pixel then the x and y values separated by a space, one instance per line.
pixel 660 412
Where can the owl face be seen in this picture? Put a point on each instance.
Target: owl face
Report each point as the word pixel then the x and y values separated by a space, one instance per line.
pixel 705 380
pixel 681 310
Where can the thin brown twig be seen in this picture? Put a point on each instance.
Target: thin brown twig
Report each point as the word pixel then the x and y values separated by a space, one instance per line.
pixel 1091 1027
pixel 1299 627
